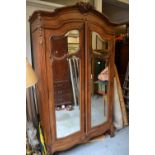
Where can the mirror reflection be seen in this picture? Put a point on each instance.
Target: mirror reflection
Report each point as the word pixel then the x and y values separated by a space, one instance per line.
pixel 66 83
pixel 98 44
pixel 73 41
pixel 99 87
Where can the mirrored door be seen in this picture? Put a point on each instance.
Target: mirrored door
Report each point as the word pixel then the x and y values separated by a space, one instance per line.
pixel 66 78
pixel 99 80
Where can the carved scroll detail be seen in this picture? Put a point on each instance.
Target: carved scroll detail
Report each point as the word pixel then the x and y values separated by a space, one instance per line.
pixel 84 7
pixel 40 36
pixel 61 57
pixel 40 29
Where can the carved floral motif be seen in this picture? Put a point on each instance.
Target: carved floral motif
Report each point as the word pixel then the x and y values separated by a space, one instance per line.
pixel 84 7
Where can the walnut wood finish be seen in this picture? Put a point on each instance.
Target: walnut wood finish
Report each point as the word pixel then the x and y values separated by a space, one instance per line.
pixel 45 26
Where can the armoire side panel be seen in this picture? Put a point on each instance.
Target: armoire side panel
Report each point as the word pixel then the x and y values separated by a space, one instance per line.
pixel 41 86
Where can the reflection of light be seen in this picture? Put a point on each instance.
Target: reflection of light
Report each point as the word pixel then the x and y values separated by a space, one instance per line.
pixel 98 62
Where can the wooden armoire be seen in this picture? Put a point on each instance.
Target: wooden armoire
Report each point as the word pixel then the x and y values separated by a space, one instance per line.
pixel 71 49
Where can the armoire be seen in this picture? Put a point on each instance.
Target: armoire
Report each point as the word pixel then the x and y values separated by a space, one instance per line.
pixel 73 56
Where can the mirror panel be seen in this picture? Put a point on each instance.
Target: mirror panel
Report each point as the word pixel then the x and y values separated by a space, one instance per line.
pixel 99 45
pixel 73 41
pixel 99 87
pixel 66 83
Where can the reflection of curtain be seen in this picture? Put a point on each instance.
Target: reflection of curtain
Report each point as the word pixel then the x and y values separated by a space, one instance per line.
pixel 74 74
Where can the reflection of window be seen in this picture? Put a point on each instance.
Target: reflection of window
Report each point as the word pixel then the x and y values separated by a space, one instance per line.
pixel 73 41
pixel 99 44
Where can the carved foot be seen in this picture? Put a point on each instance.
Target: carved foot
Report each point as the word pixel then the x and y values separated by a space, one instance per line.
pixel 112 131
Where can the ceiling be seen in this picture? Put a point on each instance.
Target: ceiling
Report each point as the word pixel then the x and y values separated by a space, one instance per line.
pixel 66 2
pixel 116 11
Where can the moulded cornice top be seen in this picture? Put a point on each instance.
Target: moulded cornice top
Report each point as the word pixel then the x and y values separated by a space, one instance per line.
pixel 83 7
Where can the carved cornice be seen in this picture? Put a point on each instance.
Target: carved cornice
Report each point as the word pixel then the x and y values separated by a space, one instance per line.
pixel 82 7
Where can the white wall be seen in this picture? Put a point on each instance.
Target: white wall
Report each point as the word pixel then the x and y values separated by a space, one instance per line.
pixel 31 6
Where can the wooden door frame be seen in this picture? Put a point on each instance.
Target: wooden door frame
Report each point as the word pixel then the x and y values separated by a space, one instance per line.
pixel 75 138
pixel 108 125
